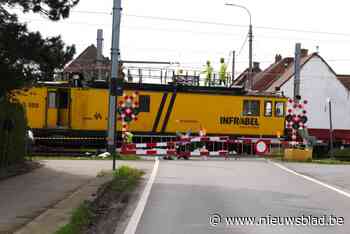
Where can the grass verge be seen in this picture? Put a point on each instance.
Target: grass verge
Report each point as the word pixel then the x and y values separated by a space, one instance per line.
pixel 315 161
pixel 125 179
pixel 81 217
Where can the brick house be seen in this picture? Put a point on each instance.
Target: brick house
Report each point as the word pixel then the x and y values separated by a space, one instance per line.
pixel 86 64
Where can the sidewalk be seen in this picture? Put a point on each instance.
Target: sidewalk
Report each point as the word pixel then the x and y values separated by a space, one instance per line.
pixel 27 196
pixel 58 215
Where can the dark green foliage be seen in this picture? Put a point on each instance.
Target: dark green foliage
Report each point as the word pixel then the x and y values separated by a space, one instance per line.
pixel 26 56
pixel 342 154
pixel 12 133
pixel 54 9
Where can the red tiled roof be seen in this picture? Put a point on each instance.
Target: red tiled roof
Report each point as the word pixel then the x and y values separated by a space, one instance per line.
pixel 278 73
pixel 240 80
pixel 345 80
pixel 271 74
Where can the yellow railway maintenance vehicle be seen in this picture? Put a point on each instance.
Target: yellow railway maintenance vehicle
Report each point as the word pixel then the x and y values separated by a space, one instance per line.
pixel 58 111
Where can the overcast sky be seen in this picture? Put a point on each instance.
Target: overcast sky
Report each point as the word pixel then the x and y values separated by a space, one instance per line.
pixel 147 38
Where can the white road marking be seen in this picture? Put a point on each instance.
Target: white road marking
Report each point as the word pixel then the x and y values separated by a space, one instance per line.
pixel 135 218
pixel 312 180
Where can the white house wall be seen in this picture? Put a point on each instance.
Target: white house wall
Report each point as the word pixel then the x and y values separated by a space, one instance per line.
pixel 318 83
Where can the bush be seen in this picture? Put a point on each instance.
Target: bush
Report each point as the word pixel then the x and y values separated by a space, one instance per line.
pixel 342 154
pixel 320 152
pixel 125 178
pixel 13 125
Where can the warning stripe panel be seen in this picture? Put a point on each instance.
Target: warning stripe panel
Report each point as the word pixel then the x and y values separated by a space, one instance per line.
pixel 149 152
pixel 149 145
pixel 205 139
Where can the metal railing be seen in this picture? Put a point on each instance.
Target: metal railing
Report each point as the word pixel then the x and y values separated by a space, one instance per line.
pixel 191 77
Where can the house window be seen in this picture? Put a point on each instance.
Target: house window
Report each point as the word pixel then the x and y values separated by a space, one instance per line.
pixel 251 108
pixel 51 100
pixel 279 109
pixel 144 101
pixel 268 108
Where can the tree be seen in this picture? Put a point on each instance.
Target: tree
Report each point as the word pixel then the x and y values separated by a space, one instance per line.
pixel 26 57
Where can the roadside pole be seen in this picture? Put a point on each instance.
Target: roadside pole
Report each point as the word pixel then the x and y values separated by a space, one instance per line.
pixel 296 86
pixel 115 85
pixel 297 70
pixel 330 129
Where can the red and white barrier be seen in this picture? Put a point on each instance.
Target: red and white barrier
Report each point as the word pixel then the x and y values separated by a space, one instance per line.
pixel 204 139
pixel 150 145
pixel 261 146
pixel 208 153
pixel 150 152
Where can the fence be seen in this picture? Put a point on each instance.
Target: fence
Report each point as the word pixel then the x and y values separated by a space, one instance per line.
pixel 171 75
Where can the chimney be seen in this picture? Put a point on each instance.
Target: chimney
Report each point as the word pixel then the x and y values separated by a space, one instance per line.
pixel 99 58
pixel 99 44
pixel 256 66
pixel 304 52
pixel 278 58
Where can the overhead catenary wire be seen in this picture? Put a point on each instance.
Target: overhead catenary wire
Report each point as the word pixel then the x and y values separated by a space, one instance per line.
pixel 213 33
pixel 195 21
pixel 219 23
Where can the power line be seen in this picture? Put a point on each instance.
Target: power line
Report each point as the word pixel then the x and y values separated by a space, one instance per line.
pixel 214 23
pixel 221 23
pixel 244 42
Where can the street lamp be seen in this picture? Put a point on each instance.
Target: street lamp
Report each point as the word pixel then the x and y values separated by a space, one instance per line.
pixel 250 35
pixel 329 101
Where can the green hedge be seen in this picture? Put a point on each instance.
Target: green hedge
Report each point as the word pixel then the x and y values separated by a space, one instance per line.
pixel 13 125
pixel 342 154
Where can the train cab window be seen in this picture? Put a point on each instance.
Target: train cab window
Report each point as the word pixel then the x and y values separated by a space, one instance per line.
pixel 279 109
pixel 251 108
pixel 51 99
pixel 144 101
pixel 63 100
pixel 268 108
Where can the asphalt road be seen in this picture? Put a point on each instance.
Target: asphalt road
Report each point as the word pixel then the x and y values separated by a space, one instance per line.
pixel 186 193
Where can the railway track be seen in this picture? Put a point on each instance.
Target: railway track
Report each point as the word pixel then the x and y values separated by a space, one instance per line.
pixel 62 152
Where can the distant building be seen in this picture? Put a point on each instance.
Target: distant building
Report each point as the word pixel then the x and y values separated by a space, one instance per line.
pixel 318 83
pixel 86 64
pixel 242 78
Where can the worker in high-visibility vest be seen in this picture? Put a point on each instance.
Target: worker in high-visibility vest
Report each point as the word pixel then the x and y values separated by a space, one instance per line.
pixel 179 72
pixel 208 73
pixel 202 131
pixel 128 137
pixel 222 72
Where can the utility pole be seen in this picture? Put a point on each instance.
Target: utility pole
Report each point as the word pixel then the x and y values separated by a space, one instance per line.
pixel 99 58
pixel 297 70
pixel 249 81
pixel 250 77
pixel 115 85
pixel 233 66
pixel 330 128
